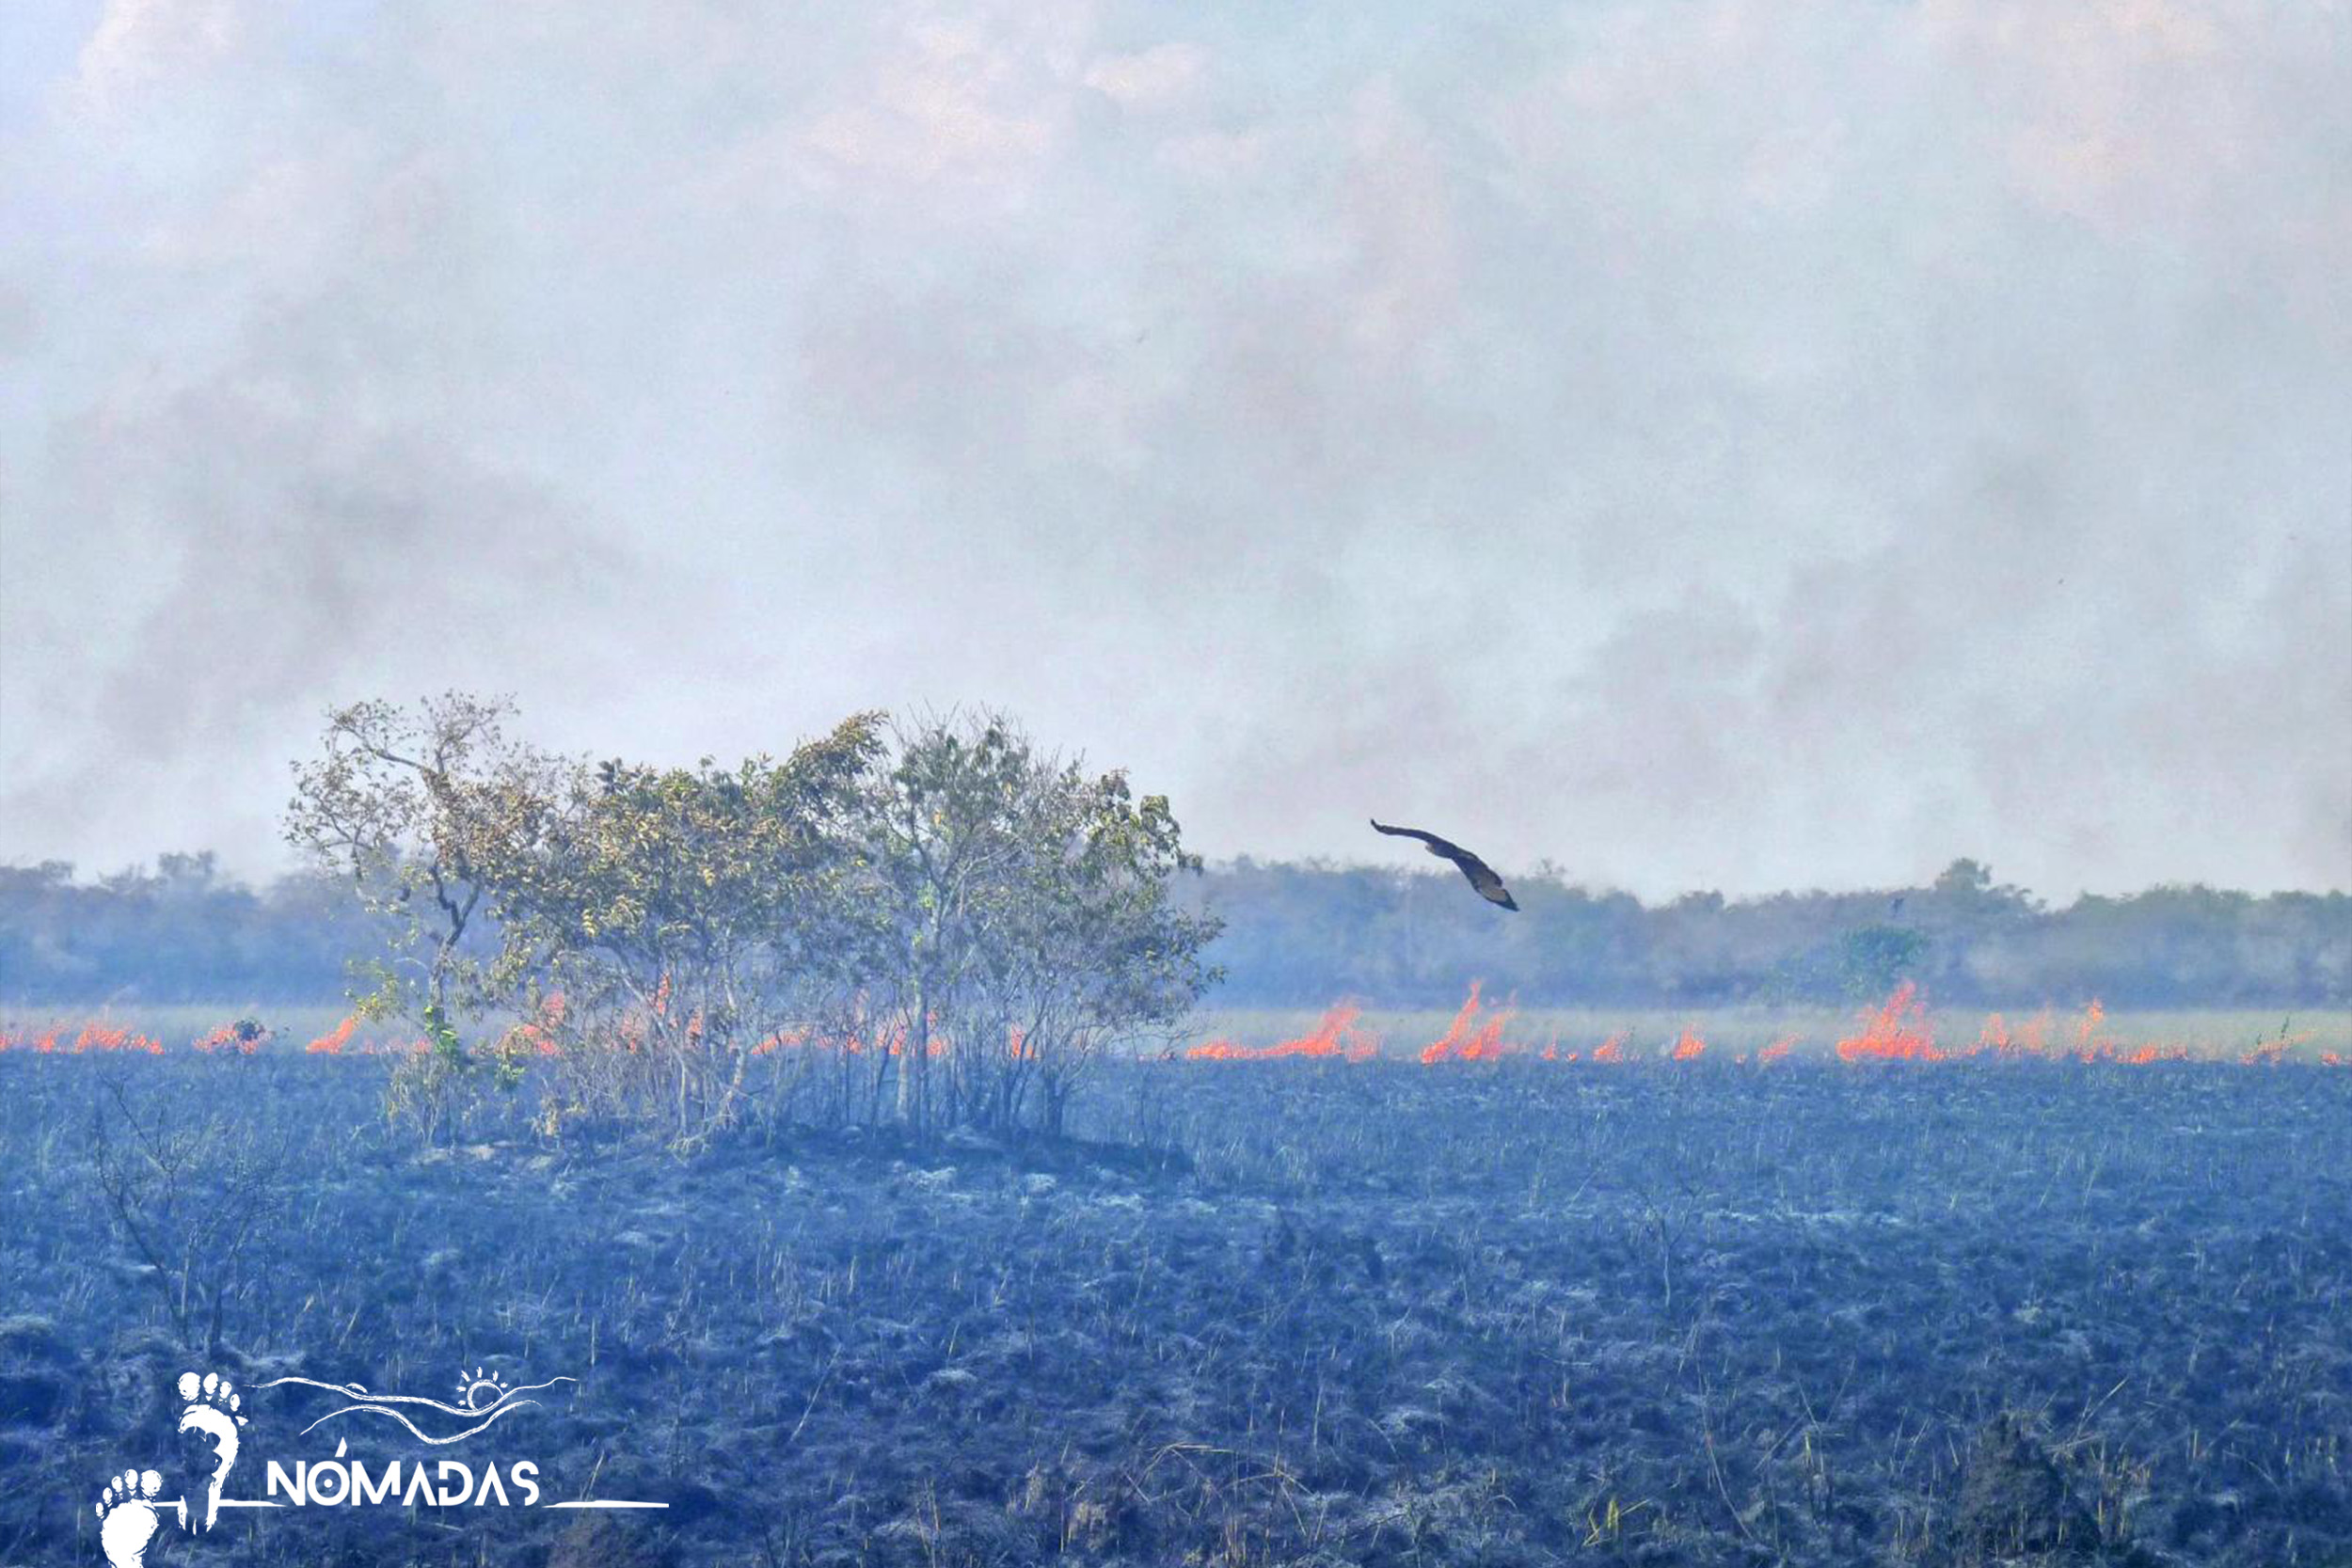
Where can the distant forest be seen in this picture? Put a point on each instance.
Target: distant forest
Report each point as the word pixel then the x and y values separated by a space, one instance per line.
pixel 1304 935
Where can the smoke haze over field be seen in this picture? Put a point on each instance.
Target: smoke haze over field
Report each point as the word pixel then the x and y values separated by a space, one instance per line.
pixel 1737 444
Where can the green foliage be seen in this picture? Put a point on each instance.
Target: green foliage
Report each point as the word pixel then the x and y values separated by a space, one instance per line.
pixel 1873 960
pixel 441 1036
pixel 424 813
pixel 1023 914
pixel 684 917
pixel 1000 915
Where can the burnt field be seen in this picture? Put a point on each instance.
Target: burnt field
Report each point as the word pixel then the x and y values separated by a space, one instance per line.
pixel 1262 1312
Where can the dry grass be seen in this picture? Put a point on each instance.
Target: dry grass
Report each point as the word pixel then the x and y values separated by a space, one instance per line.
pixel 1742 1031
pixel 1646 1032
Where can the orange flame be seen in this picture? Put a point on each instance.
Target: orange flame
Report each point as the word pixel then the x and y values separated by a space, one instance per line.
pixel 1457 1033
pixel 1897 1030
pixel 2090 1045
pixel 782 1037
pixel 537 1034
pixel 244 1039
pixel 2035 1040
pixel 2270 1053
pixel 1462 1042
pixel 104 1037
pixel 1488 1045
pixel 1335 1035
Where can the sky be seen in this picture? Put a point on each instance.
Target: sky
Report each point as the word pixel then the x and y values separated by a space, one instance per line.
pixel 1697 444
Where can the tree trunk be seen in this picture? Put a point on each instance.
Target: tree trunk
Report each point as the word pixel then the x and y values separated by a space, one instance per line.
pixel 913 1076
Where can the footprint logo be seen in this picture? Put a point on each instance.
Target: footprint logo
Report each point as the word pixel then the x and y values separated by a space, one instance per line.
pixel 212 1404
pixel 126 1517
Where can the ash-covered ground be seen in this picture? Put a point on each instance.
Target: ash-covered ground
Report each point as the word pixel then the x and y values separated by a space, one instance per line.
pixel 1283 1312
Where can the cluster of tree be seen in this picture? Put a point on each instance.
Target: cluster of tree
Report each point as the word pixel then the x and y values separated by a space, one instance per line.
pixel 182 932
pixel 937 926
pixel 1297 936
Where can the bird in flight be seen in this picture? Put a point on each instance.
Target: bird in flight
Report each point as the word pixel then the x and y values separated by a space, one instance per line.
pixel 1481 875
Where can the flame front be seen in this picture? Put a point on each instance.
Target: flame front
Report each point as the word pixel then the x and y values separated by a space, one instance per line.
pixel 1899 1029
pixel 1468 1040
pixel 1896 1032
pixel 1335 1035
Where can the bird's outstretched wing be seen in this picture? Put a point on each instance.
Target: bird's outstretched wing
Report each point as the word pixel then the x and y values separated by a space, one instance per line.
pixel 1481 875
pixel 1436 845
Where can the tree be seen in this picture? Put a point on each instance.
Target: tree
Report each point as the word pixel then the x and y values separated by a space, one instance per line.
pixel 426 814
pixel 670 925
pixel 1090 945
pixel 1964 879
pixel 1026 919
pixel 1872 959
pixel 939 846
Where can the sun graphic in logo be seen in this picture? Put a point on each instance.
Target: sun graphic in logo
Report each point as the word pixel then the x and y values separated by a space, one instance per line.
pixel 478 1389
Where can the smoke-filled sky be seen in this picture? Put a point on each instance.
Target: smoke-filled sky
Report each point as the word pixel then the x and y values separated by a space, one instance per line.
pixel 1733 444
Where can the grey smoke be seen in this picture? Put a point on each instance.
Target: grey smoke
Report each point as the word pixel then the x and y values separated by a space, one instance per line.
pixel 1736 445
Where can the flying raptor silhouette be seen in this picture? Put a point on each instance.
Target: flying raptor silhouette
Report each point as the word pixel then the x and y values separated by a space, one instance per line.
pixel 1481 875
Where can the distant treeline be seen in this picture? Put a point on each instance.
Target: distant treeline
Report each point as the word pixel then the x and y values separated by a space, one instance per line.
pixel 183 932
pixel 1298 935
pixel 1303 935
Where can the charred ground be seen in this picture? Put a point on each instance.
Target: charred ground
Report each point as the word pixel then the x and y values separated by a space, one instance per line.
pixel 1272 1312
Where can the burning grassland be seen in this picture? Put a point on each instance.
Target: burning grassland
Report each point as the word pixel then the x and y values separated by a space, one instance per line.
pixel 1337 1034
pixel 1903 1028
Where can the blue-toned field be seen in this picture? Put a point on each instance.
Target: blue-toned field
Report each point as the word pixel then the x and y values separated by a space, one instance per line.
pixel 1266 1312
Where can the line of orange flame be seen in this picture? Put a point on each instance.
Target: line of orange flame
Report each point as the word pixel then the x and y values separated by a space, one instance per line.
pixel 1335 1035
pixel 1897 1030
pixel 93 1036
